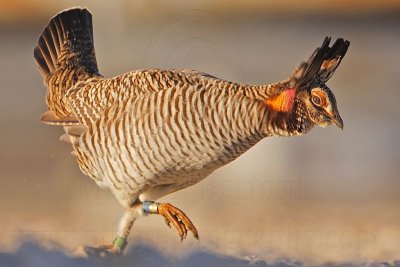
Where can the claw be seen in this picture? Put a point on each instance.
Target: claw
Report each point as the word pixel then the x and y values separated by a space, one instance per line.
pixel 167 222
pixel 178 219
pixel 105 251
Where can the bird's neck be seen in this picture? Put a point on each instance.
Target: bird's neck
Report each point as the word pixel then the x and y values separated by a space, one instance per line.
pixel 282 102
pixel 299 122
pixel 283 113
pixel 287 116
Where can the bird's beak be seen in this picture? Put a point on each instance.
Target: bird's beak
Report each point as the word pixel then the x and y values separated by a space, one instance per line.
pixel 338 121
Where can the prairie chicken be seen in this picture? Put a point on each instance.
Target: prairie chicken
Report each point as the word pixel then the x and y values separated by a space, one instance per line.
pixel 148 133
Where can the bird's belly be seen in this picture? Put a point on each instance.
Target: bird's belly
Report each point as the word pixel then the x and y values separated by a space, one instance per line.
pixel 127 173
pixel 185 176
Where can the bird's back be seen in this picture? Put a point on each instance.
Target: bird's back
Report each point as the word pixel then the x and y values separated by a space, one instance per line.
pixel 89 98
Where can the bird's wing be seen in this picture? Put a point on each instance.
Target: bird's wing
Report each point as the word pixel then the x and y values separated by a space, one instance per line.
pixel 321 65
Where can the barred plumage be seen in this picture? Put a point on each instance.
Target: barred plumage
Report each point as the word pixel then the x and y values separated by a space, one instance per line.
pixel 162 136
pixel 148 133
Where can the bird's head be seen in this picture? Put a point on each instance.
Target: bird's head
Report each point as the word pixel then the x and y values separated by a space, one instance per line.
pixel 318 106
pixel 314 103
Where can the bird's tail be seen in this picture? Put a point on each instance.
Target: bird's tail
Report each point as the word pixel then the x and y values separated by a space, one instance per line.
pixel 65 55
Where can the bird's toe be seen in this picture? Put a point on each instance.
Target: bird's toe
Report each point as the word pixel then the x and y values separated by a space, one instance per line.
pixel 178 218
pixel 101 252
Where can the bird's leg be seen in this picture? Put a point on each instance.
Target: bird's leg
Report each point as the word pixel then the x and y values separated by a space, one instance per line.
pixel 120 241
pixel 172 215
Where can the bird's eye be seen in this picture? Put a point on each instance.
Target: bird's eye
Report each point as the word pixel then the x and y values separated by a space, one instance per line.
pixel 316 100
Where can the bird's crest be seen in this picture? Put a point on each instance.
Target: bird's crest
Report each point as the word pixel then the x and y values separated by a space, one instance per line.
pixel 321 65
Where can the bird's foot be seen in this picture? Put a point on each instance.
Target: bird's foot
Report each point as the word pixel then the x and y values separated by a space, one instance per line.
pixel 106 251
pixel 173 215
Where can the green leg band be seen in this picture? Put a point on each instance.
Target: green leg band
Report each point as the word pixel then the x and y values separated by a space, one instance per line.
pixel 119 242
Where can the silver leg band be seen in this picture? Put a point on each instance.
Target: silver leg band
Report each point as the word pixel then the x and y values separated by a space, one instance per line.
pixel 150 207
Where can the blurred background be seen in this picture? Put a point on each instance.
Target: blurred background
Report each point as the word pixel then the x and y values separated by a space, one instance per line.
pixel 330 197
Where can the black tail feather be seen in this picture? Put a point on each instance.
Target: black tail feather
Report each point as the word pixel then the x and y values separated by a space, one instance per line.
pixel 67 41
pixel 322 63
pixel 65 55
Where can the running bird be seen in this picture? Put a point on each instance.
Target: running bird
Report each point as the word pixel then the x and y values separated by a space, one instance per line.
pixel 148 133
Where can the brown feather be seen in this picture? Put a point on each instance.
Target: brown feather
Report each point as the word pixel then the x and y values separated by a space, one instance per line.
pixel 49 117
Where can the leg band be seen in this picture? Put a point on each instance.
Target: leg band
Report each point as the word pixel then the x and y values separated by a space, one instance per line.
pixel 119 242
pixel 150 207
